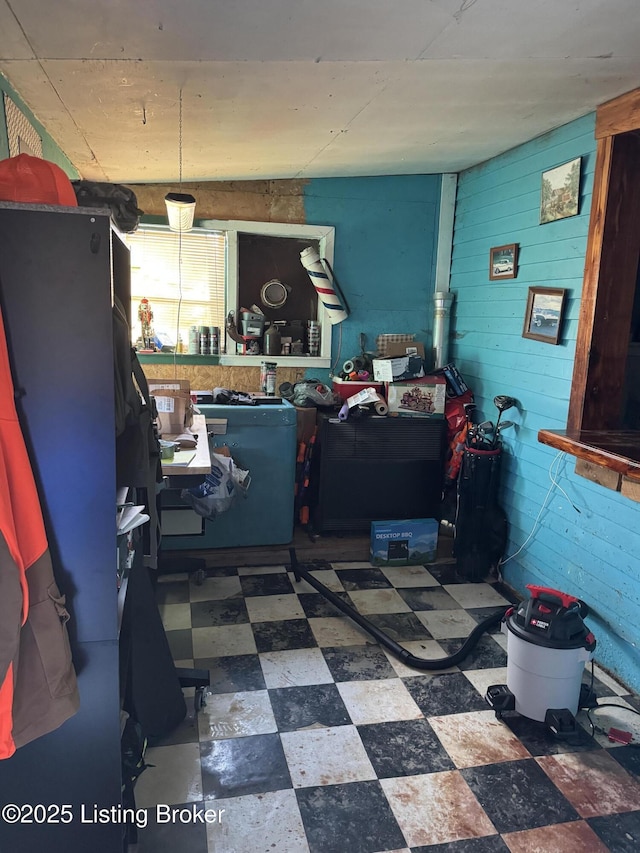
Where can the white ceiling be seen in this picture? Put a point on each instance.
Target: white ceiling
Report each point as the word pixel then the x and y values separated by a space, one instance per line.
pixel 310 88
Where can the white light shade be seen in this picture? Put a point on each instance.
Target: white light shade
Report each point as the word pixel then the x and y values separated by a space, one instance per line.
pixel 181 208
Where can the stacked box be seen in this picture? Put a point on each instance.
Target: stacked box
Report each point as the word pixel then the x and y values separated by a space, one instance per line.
pixel 402 361
pixel 411 542
pixel 424 397
pixel 173 402
pixel 455 382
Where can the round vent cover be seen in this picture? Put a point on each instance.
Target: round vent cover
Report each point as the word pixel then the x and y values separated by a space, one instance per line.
pixel 274 293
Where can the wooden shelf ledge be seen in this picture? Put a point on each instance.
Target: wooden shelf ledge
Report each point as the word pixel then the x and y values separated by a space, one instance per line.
pixel 617 450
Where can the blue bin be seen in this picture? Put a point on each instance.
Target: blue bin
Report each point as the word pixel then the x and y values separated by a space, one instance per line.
pixel 262 440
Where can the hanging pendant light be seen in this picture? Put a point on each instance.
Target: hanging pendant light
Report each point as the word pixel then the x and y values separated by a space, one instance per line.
pixel 181 207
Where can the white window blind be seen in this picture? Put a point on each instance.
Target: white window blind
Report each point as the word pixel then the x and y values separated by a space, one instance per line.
pixel 182 276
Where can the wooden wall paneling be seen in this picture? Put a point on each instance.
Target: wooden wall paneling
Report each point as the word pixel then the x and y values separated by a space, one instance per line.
pixel 590 285
pixel 616 287
pixel 618 115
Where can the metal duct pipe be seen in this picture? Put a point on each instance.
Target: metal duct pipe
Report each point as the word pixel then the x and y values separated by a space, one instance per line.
pixel 441 321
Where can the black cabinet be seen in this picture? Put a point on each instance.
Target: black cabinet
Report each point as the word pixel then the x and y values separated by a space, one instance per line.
pixel 56 286
pixel 376 469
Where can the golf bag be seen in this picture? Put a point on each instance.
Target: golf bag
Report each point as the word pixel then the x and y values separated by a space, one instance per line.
pixel 480 525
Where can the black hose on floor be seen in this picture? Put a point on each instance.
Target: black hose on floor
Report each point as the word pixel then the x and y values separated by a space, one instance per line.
pixel 384 639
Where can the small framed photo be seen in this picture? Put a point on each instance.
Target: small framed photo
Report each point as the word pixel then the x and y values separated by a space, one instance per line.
pixel 560 191
pixel 543 316
pixel 503 262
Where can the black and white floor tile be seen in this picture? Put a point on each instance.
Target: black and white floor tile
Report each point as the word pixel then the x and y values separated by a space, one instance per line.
pixel 316 739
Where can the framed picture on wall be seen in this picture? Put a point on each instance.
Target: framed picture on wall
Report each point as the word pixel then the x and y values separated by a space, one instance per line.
pixel 503 262
pixel 560 191
pixel 543 317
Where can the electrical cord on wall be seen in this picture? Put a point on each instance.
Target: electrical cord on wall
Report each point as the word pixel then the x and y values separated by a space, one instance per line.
pixel 175 349
pixel 553 474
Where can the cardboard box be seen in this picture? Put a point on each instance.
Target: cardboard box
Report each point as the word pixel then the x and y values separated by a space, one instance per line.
pixel 174 404
pixel 172 410
pixel 456 384
pixel 412 542
pixel 396 368
pixel 383 342
pixel 395 349
pixel 169 384
pixel 425 397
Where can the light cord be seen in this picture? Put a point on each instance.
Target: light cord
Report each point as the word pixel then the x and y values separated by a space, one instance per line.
pixel 175 350
pixel 555 463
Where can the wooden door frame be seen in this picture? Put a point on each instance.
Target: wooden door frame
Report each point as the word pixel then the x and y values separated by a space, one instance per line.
pixel 613 247
pixel 594 431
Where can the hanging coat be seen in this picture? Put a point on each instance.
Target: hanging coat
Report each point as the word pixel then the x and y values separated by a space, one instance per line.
pixel 38 689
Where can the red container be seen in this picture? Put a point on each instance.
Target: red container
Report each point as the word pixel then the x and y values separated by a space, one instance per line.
pixel 346 388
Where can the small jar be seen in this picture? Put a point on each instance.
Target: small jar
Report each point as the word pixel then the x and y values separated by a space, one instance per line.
pixel 204 340
pixel 194 340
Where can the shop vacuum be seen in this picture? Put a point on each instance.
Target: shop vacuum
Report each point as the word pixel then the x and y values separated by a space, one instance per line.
pixel 548 645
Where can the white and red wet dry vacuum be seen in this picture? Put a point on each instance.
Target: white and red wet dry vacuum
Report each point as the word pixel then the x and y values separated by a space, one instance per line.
pixel 548 645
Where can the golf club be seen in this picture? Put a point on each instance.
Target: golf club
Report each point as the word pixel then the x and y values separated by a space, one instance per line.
pixel 502 402
pixel 504 425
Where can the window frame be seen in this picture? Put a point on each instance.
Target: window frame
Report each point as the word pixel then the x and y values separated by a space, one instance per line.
pixel 324 234
pixel 159 229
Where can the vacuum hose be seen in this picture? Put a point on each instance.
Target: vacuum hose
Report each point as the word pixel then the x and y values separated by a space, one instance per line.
pixel 395 648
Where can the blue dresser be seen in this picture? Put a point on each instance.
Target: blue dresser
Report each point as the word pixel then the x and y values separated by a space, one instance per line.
pixel 262 440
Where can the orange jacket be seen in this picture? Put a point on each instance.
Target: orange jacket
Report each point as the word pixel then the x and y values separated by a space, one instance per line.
pixel 38 689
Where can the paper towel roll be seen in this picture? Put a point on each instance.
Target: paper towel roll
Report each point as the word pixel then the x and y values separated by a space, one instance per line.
pixel 380 407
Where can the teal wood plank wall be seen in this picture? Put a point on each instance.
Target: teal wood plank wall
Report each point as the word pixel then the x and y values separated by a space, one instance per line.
pixel 587 541
pixel 385 246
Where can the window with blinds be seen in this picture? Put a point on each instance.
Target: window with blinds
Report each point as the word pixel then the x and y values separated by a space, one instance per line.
pixel 183 277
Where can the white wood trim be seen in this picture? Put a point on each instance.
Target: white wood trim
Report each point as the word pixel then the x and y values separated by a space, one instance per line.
pixel 324 234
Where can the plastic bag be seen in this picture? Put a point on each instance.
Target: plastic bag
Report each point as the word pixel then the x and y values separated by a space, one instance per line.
pixel 314 393
pixel 220 489
pixel 125 213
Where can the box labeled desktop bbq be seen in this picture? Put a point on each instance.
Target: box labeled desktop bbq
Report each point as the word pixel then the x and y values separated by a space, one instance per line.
pixel 411 542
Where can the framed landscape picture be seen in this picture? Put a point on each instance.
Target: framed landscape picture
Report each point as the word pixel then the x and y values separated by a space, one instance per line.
pixel 560 191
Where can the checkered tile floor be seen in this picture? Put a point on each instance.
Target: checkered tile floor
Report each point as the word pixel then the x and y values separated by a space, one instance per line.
pixel 314 738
